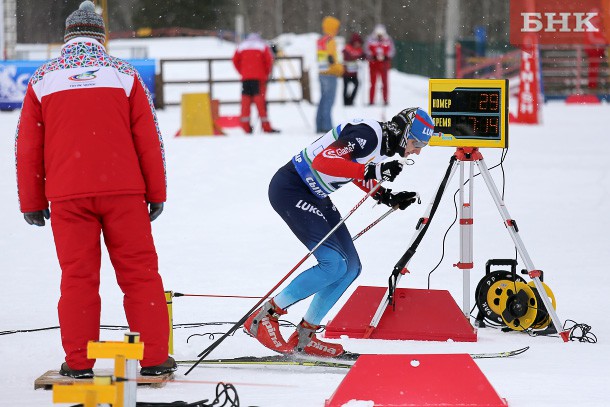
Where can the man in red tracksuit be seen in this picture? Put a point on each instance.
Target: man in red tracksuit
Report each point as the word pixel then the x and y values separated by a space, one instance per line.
pixel 88 142
pixel 379 51
pixel 254 62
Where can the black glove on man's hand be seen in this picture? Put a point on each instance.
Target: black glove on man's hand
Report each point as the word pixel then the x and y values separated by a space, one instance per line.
pixel 383 171
pixel 399 199
pixel 155 210
pixel 37 218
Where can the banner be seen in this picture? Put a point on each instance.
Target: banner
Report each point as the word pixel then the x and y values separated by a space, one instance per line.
pixel 559 21
pixel 528 106
pixel 15 75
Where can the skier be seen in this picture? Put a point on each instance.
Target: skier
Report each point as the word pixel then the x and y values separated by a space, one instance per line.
pixel 299 193
pixel 88 142
pixel 254 62
pixel 379 51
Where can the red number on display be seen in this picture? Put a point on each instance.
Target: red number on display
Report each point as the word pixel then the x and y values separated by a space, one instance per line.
pixel 488 102
pixel 473 124
pixel 483 99
pixel 492 123
pixel 493 102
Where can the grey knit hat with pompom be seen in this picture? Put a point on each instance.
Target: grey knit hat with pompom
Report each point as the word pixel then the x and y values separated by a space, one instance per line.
pixel 85 22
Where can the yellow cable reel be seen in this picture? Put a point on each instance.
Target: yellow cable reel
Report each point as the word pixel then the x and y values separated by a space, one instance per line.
pixel 498 293
pixel 542 319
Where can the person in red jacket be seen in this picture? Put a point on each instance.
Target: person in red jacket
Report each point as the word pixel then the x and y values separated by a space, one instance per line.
pixel 88 141
pixel 352 53
pixel 254 62
pixel 379 51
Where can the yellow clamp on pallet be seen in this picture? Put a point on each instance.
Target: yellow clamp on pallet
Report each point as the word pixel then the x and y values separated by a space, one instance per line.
pixel 101 391
pixel 130 348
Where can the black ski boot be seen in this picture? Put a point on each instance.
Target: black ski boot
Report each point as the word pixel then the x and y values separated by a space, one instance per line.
pixel 77 374
pixel 166 367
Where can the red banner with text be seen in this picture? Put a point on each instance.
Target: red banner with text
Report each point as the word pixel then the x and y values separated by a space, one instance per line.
pixel 560 22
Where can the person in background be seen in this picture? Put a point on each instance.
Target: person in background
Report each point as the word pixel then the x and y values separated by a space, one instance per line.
pixel 88 141
pixel 352 53
pixel 379 52
pixel 299 192
pixel 254 62
pixel 329 70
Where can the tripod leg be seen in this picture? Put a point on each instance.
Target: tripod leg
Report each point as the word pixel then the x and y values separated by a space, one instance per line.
pixel 511 226
pixel 418 229
pixel 466 262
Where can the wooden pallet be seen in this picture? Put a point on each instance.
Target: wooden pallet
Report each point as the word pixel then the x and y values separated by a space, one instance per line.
pixel 47 380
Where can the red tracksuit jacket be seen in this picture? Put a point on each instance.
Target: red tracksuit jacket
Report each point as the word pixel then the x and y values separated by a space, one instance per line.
pixel 87 128
pixel 253 59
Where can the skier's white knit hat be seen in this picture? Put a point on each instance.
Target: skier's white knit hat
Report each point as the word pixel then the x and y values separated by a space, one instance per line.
pixel 85 22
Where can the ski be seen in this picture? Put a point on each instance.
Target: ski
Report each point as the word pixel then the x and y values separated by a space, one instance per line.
pixel 496 355
pixel 344 361
pixel 275 360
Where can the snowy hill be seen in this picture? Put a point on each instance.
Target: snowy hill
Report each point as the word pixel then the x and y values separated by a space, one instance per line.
pixel 219 235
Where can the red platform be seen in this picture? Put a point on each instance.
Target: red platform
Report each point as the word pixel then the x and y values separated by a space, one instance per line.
pixel 428 315
pixel 416 381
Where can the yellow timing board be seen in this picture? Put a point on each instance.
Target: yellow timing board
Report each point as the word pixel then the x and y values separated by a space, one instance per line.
pixel 469 112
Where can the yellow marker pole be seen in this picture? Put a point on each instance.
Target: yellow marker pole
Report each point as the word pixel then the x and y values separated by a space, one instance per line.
pixel 131 371
pixel 90 399
pixel 168 299
pixel 119 371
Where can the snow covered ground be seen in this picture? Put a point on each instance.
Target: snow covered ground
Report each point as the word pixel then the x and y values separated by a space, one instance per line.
pixel 219 235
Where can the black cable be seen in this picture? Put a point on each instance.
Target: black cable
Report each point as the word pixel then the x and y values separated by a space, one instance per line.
pixel 580 332
pixel 444 238
pixel 225 394
pixel 212 335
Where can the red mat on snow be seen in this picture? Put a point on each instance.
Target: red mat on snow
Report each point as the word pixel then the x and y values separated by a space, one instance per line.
pixel 429 315
pixel 416 380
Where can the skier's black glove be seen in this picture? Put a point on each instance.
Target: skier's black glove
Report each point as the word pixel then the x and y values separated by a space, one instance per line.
pixel 37 217
pixel 155 210
pixel 398 199
pixel 383 171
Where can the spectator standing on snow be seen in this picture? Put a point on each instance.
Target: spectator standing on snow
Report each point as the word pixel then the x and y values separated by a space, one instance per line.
pixel 329 69
pixel 299 193
pixel 254 62
pixel 88 142
pixel 379 51
pixel 352 53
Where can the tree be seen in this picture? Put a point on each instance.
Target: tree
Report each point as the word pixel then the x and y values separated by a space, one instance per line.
pixel 209 14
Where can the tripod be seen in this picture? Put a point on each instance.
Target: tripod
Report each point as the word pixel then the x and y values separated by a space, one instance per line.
pixel 471 156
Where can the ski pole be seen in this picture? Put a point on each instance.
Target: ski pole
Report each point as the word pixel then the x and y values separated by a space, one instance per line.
pixel 369 227
pixel 363 231
pixel 243 319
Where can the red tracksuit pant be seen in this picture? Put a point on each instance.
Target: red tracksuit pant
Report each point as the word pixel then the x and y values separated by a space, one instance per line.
pixel 379 68
pixel 124 222
pixel 261 105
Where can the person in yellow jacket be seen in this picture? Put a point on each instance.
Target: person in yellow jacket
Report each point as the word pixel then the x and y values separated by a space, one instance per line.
pixel 329 70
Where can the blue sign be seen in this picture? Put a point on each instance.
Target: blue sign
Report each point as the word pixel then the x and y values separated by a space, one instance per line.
pixel 15 75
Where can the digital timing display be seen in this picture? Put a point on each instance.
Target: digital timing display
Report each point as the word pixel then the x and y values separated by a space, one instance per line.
pixel 468 112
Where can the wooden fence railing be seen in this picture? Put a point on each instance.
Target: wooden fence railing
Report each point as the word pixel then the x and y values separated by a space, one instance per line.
pixel 177 76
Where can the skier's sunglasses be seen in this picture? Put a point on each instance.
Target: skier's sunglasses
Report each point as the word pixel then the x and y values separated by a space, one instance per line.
pixel 417 143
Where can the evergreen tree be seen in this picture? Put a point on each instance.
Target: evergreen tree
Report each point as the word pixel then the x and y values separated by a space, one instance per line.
pixel 208 14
